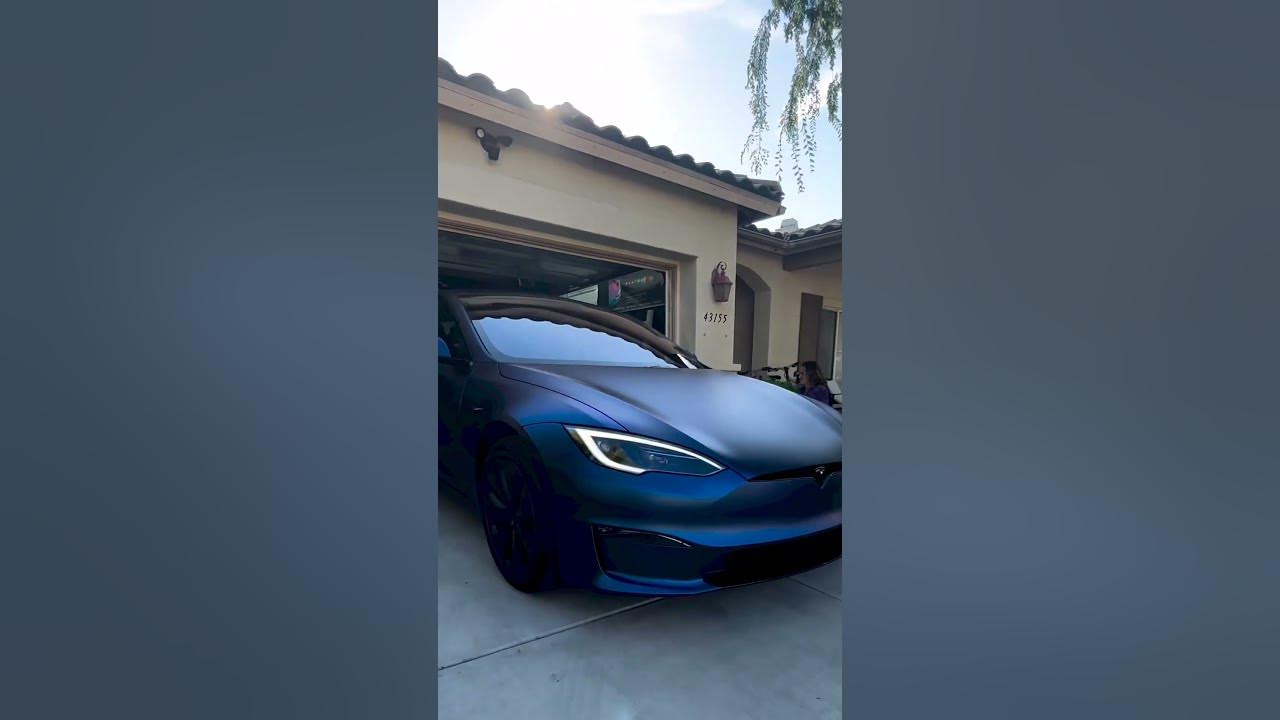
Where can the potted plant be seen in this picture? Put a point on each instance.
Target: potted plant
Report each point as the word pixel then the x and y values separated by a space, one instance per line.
pixel 766 375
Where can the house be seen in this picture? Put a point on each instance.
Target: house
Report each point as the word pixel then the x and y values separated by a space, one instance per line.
pixel 544 200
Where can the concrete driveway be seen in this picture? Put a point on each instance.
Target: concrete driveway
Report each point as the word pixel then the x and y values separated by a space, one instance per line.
pixel 766 651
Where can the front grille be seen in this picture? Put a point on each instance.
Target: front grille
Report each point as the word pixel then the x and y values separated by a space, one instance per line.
pixel 811 473
pixel 775 560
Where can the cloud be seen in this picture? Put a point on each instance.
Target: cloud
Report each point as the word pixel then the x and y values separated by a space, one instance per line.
pixel 673 7
pixel 625 8
pixel 743 15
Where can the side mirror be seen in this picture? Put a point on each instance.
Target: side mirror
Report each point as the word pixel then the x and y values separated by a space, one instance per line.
pixel 442 348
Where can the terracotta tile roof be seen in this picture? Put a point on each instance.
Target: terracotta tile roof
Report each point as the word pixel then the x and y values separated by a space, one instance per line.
pixel 570 116
pixel 830 226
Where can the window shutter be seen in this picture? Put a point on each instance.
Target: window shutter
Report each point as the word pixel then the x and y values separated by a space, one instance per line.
pixel 810 326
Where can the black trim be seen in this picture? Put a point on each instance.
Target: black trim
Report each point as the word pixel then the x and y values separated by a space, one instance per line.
pixel 777 560
pixel 831 469
pixel 624 534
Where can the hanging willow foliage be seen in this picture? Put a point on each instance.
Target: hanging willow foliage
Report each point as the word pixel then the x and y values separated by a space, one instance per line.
pixel 813 27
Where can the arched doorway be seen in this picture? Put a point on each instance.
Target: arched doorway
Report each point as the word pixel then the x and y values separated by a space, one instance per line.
pixel 751 320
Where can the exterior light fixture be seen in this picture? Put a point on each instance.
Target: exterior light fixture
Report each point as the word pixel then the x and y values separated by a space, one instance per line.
pixel 491 143
pixel 720 283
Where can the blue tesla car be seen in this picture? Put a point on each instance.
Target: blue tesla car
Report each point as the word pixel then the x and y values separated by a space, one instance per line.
pixel 602 455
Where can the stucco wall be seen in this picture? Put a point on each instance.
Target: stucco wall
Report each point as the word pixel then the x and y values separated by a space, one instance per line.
pixel 549 184
pixel 784 291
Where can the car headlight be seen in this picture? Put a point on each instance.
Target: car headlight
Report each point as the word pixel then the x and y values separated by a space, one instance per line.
pixel 636 455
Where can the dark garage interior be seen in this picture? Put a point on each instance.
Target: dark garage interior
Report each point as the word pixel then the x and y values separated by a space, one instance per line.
pixel 474 263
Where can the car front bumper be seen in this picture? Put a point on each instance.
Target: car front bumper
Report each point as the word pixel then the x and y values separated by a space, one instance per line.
pixel 661 534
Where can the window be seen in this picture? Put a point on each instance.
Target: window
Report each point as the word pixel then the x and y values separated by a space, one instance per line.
pixel 451 333
pixel 837 372
pixel 829 344
pixel 558 332
pixel 543 341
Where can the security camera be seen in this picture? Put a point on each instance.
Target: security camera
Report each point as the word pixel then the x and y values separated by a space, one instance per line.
pixel 492 144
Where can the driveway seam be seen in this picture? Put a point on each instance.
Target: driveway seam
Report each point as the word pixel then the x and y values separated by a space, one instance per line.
pixel 557 631
pixel 822 592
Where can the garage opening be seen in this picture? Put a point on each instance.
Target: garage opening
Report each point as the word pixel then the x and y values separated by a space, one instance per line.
pixel 473 263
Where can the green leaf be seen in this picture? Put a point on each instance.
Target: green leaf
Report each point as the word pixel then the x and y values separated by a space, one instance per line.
pixel 813 27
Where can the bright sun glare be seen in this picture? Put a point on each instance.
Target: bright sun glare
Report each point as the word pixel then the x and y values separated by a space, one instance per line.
pixel 615 60
pixel 596 55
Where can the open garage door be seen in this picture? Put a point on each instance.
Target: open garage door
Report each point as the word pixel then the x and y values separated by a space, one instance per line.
pixel 473 263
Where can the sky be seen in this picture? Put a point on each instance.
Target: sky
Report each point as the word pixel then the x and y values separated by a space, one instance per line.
pixel 673 71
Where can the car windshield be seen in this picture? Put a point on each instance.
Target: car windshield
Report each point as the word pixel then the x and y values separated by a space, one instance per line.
pixel 564 332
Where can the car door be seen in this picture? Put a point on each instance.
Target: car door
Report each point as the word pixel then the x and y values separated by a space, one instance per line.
pixel 455 369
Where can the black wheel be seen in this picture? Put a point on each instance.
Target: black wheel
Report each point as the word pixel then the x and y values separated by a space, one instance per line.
pixel 517 525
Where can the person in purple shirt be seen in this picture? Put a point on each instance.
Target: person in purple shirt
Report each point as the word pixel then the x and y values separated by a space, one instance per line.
pixel 815 386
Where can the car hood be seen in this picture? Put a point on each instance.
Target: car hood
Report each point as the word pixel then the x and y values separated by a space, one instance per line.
pixel 753 427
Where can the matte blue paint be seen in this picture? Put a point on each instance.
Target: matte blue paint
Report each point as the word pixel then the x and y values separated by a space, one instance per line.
pixel 750 427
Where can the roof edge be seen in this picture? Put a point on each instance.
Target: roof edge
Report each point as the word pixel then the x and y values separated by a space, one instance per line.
pixel 572 117
pixel 805 238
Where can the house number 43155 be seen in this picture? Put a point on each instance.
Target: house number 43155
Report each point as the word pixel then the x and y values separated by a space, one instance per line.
pixel 715 318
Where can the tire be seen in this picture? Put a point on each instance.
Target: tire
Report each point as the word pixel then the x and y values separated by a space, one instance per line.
pixel 514 510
